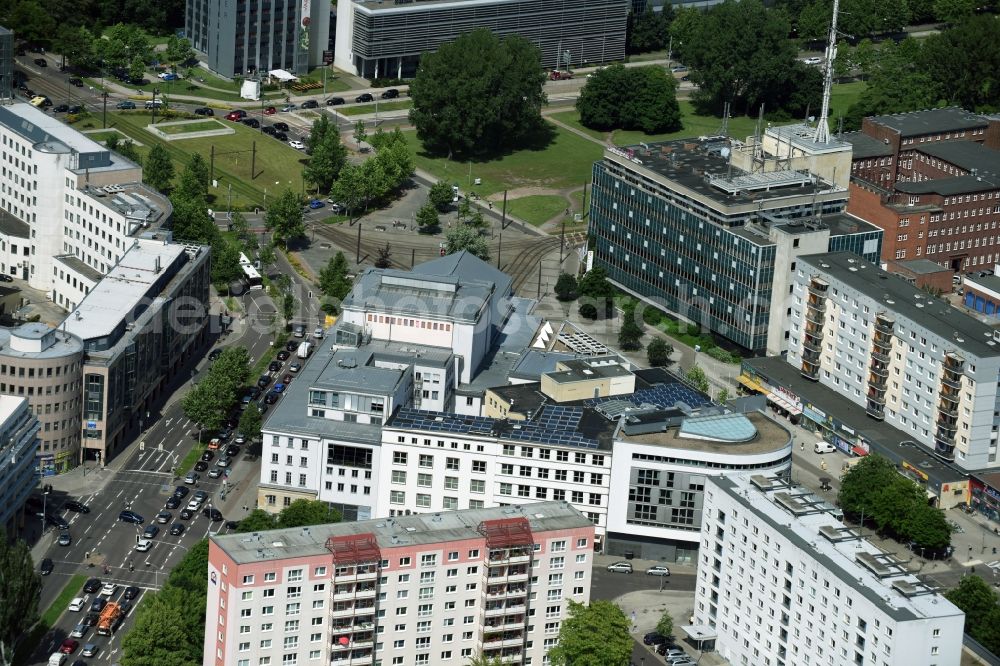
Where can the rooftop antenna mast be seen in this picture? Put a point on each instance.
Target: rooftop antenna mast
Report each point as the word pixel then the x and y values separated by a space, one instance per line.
pixel 724 128
pixel 822 134
pixel 758 134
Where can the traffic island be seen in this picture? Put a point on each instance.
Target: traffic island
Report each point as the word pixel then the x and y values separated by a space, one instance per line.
pixel 189 129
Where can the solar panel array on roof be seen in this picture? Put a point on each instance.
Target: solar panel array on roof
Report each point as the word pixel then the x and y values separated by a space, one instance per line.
pixel 555 425
pixel 560 418
pixel 661 395
pixel 530 432
pixel 442 422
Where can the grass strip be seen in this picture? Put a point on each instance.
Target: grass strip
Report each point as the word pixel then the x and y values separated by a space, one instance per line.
pixel 34 637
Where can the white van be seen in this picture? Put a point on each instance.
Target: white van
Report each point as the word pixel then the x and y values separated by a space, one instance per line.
pixel 57 659
pixel 823 447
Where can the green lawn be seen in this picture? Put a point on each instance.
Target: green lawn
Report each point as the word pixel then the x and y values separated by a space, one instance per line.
pixel 103 136
pixel 645 57
pixel 193 126
pixel 842 96
pixel 566 162
pixel 190 459
pixel 536 209
pixel 572 118
pixel 370 108
pixel 182 87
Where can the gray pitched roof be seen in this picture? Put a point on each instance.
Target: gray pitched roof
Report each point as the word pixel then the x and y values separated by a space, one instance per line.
pixel 931 121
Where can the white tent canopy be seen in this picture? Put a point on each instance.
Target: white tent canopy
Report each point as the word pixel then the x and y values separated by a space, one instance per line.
pixel 282 75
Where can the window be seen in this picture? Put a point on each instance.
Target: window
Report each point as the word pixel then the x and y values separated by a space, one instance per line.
pixel 397 497
pixel 426 460
pixel 425 480
pixel 429 560
pixel 398 476
pixel 398 457
pixel 450 503
pixel 423 501
pixel 294 575
pixel 477 486
pixel 248 580
pixel 451 483
pixel 451 464
pixel 479 467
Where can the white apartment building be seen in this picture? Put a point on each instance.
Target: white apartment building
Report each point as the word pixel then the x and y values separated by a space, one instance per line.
pixel 904 356
pixel 782 582
pixel 19 437
pixel 432 589
pixel 69 207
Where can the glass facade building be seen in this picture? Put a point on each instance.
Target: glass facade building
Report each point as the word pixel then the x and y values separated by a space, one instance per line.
pixel 676 235
pixel 6 64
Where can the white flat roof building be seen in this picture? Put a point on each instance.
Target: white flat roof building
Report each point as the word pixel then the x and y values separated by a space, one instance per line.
pixel 781 581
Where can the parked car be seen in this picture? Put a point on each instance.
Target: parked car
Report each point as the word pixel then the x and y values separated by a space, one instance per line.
pixel 236 115
pixel 46 568
pixel 269 129
pixel 186 514
pixel 335 101
pixel 181 492
pixel 296 144
pixel 272 398
pixel 310 104
pixel 214 354
pixel 824 447
pixel 41 62
pixel 315 203
pixel 74 505
pixel 207 456
pixel 364 97
pixel 212 514
pixel 270 111
pixel 251 122
pixel 75 109
pixel 281 127
pixel 76 81
pixel 287 379
pixel 654 638
pixel 173 502
pixel 125 104
pixel 279 388
pixel 214 473
pixel 391 93
pixel 295 367
pixel 204 111
pixel 291 346
pixel 288 107
pixel 283 355
pixel 620 567
pixel 234 450
pixel 264 380
pixel 223 462
pixel 192 478
pixel 273 366
pixel 60 108
pixel 280 136
pixel 131 517
pixel 658 571
pixel 164 517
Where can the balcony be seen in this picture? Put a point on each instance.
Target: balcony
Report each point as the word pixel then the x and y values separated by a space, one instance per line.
pixel 818 288
pixel 947 428
pixel 944 449
pixel 507 593
pixel 945 408
pixel 351 659
pixel 951 381
pixel 879 369
pixel 511 556
pixel 879 356
pixel 495 643
pixel 877 383
pixel 813 343
pixel 814 316
pixel 875 410
pixel 504 623
pixel 876 398
pixel 504 610
pixel 943 435
pixel 953 362
pixel 809 371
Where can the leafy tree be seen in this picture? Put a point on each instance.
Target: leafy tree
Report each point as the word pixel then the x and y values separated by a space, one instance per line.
pixel 461 237
pixel 284 218
pixel 333 279
pixel 593 635
pixel 566 287
pixel 658 352
pixel 697 378
pixel 865 57
pixel 258 520
pixel 225 262
pixel 630 331
pixel 178 50
pixel 194 178
pixel 642 98
pixel 722 395
pixel 899 82
pixel 954 11
pixel 588 310
pixel 31 21
pixel 427 219
pixel 159 170
pixel 963 67
pixel 201 405
pixel 266 256
pixel 976 599
pixel 453 83
pixel 189 574
pixel 359 132
pixel 250 424
pixel 302 512
pixel 191 220
pixel 384 257
pixel 136 68
pixel 862 483
pixel 126 148
pixel 382 139
pixel 238 225
pixel 813 22
pixel 665 626
pixel 926 525
pixel 647 30
pixel 288 307
pixel 20 589
pixel 209 401
pixel 327 159
pixel 160 635
pixel 76 44
pixel 440 195
pixel 595 284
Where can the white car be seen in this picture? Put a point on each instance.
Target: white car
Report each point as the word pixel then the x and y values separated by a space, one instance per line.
pixel 108 589
pixel 76 605
pixel 815 60
pixel 658 571
pixel 297 145
pixel 194 505
pixel 620 567
pixel 143 545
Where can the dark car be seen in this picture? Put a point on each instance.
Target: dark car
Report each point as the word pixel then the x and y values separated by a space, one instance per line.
pixel 224 434
pixel 266 379
pixel 125 607
pixel 281 127
pixel 56 521
pixel 310 104
pixel 46 567
pixel 90 619
pixel 272 398
pixel 291 345
pixel 212 514
pixel 391 93
pixel 207 456
pixel 79 507
pixel 186 514
pixel 177 529
pixel 98 604
pixel 180 492
pixel 76 81
pixel 286 379
pixel 364 97
pixel 200 466
pixel 214 354
pixel 274 366
pixel 232 524
pixel 283 355
pixel 60 108
pixel 335 101
pixel 204 111
pixel 92 585
pixel 173 502
pixel 131 517
pixel 280 136
pixel 131 592
pixel 251 122
pixel 233 420
pixel 232 450
pixel 75 109
pixel 5 278
pixel 269 129
pixel 125 104
pixel 653 638
pixel 41 62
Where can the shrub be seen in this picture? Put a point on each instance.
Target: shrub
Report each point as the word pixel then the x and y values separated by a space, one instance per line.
pixel 588 311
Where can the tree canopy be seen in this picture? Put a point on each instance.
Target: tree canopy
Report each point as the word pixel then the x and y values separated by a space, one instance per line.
pixel 630 332
pixel 20 590
pixel 284 217
pixel 658 352
pixel 158 172
pixel 631 98
pixel 333 279
pixel 566 287
pixel 300 513
pixel 593 635
pixel 463 237
pixel 982 614
pixel 209 401
pixel 647 30
pixel 478 95
pixel 327 155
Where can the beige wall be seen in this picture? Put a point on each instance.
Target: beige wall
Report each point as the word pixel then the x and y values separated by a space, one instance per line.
pixel 566 391
pixel 281 497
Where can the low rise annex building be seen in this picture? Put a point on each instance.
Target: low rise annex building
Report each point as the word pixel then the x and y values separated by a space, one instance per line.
pixel 433 589
pixel 782 581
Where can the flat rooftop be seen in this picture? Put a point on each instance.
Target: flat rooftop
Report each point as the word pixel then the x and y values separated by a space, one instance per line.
pixel 840 556
pixel 142 207
pixel 769 436
pixel 64 344
pixel 398 532
pixel 49 134
pixel 922 266
pixel 972 156
pixel 8 405
pixel 801 136
pixel 351 370
pixel 77 265
pixel 966 333
pixel 702 165
pixel 13 226
pixel 580 370
pixel 864 146
pixel 121 291
pixel 930 121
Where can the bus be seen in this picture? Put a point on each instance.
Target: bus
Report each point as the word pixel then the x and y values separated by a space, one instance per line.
pixel 250 273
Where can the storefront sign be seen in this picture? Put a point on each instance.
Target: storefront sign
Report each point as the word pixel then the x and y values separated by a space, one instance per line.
pixel 817 410
pixel 910 468
pixel 992 492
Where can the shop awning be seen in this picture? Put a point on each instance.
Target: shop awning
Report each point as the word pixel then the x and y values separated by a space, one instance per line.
pixel 699 632
pixel 784 403
pixel 858 451
pixel 751 384
pixel 282 75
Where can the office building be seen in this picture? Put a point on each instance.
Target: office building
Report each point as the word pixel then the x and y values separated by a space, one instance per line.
pixel 6 65
pixel 434 589
pixel 376 39
pixel 903 355
pixel 44 365
pixel 139 325
pixel 246 37
pixel 70 207
pixel 709 229
pixel 18 445
pixel 782 581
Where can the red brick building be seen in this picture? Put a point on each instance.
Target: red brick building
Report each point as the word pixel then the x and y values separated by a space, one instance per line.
pixel 931 181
